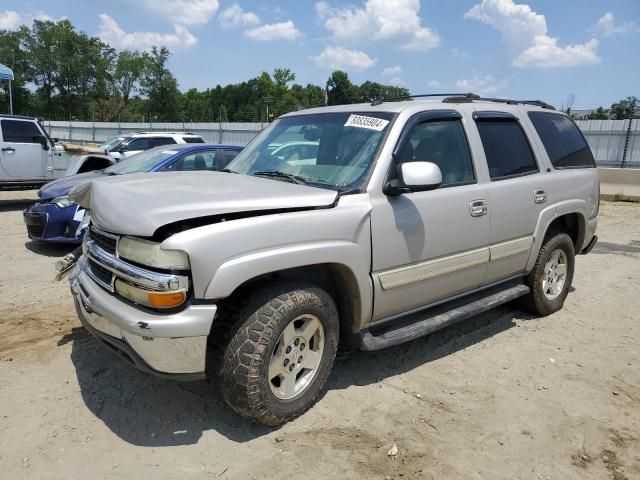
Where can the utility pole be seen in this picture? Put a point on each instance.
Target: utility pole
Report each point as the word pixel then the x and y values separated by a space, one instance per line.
pixel 267 100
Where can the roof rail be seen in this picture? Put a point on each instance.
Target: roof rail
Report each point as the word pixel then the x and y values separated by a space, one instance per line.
pixel 465 98
pixel 378 101
pixel 509 101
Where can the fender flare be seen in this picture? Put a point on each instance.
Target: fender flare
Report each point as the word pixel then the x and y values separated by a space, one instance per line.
pixel 547 216
pixel 239 270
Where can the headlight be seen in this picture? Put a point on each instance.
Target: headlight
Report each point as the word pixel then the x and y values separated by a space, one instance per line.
pixel 63 202
pixel 149 253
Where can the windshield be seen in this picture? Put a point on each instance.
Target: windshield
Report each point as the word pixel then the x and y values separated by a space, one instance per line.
pixel 329 150
pixel 142 162
pixel 111 143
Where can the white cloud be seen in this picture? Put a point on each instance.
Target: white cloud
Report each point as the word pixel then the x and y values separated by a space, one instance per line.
pixel 235 17
pixel 379 20
pixel 435 84
pixel 184 12
pixel 397 81
pixel 484 85
pixel 396 70
pixel 525 33
pixel 547 54
pixel 343 59
pixel 10 20
pixel 114 35
pixel 606 26
pixel 274 31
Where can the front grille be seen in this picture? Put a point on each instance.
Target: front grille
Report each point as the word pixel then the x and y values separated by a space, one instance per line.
pixel 106 241
pixel 100 273
pixel 35 222
pixel 35 232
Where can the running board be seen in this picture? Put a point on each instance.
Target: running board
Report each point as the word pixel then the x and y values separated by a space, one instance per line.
pixel 426 321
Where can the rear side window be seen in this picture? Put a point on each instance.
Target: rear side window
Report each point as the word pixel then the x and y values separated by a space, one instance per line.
pixel 192 140
pixel 139 144
pixel 228 155
pixel 562 140
pixel 507 149
pixel 159 141
pixel 19 131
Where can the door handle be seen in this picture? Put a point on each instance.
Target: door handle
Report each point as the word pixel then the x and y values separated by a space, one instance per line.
pixel 9 149
pixel 540 196
pixel 478 208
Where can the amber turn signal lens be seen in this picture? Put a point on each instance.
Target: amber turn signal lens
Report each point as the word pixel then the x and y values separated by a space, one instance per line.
pixel 166 300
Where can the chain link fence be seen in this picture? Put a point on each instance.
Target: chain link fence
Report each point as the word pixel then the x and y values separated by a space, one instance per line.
pixel 615 143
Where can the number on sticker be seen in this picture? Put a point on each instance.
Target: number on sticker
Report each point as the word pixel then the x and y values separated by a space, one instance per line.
pixel 362 121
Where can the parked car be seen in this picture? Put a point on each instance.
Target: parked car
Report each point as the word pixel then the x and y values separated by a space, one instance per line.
pixel 28 156
pixel 412 216
pixel 124 146
pixel 141 141
pixel 56 218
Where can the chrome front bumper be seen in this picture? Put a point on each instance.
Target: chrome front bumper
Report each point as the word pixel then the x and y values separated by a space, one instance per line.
pixel 172 345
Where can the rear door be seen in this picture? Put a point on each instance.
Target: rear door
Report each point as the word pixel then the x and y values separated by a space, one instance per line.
pixel 517 192
pixel 22 156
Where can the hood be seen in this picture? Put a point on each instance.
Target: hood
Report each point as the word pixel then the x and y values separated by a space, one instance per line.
pixel 140 203
pixel 63 185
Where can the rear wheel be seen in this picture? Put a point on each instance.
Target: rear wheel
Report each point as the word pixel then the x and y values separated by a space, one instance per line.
pixel 551 276
pixel 280 351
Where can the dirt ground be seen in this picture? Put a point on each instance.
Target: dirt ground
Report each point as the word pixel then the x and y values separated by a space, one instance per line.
pixel 503 396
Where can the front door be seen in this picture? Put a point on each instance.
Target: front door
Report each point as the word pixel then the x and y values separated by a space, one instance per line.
pixel 21 154
pixel 431 245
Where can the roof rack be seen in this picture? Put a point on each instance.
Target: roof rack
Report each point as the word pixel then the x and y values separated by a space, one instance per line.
pixel 465 98
pixel 379 101
pixel 510 101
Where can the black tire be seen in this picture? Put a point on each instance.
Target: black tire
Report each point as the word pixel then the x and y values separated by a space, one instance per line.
pixel 536 301
pixel 253 334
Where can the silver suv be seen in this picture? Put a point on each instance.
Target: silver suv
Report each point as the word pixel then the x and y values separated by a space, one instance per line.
pixel 411 216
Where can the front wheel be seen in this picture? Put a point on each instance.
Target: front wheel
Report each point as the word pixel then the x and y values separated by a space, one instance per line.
pixel 551 276
pixel 282 347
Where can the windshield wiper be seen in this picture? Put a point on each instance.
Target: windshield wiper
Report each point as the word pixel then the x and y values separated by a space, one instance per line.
pixel 276 173
pixel 227 170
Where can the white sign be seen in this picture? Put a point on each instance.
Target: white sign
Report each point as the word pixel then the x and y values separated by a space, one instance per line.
pixel 371 123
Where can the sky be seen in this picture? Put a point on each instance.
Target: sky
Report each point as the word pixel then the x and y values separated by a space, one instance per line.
pixel 542 49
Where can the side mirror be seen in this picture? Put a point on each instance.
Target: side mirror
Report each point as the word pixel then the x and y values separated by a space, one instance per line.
pixel 414 177
pixel 42 140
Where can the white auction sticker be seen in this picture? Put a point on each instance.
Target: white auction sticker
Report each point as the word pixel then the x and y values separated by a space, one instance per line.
pixel 361 121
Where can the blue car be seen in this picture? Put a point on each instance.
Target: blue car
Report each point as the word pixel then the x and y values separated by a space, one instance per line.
pixel 55 218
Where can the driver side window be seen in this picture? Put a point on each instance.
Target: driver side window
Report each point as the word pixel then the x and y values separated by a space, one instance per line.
pixel 444 143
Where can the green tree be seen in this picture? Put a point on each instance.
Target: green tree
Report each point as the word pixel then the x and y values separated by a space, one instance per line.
pixel 627 108
pixel 129 69
pixel 340 89
pixel 598 114
pixel 160 86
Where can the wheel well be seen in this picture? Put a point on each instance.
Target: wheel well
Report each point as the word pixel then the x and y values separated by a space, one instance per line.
pixel 572 224
pixel 336 279
pixel 94 163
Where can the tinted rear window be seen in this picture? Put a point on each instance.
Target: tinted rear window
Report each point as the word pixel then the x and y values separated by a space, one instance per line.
pixel 506 148
pixel 192 140
pixel 562 140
